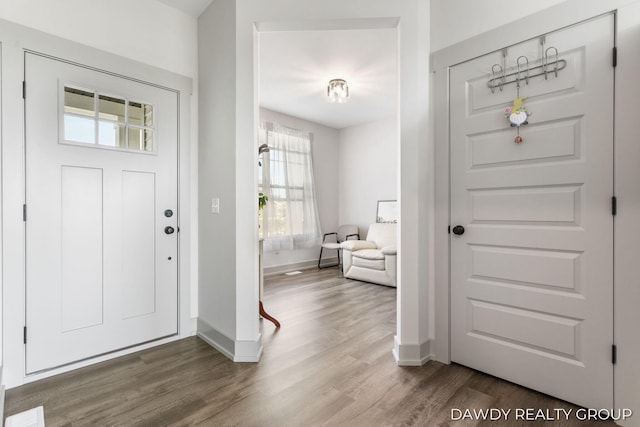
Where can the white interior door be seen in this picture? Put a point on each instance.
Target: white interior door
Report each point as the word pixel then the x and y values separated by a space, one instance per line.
pixel 101 170
pixel 532 275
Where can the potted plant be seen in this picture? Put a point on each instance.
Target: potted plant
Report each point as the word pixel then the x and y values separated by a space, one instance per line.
pixel 262 200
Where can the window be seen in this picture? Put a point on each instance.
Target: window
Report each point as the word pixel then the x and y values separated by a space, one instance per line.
pixel 290 218
pixel 105 120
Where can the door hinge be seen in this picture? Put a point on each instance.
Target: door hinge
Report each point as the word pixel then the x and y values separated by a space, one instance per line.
pixel 614 205
pixel 24 213
pixel 614 354
pixel 614 60
pixel 24 334
pixel 24 89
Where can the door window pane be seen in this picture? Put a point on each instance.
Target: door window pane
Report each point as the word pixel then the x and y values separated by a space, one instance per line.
pixel 111 134
pixel 78 101
pixel 140 139
pixel 111 108
pixel 140 114
pixel 79 129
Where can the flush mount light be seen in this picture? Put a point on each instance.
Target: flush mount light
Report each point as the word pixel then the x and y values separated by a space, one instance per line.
pixel 338 91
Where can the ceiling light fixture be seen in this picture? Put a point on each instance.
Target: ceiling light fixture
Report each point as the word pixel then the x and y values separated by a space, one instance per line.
pixel 338 91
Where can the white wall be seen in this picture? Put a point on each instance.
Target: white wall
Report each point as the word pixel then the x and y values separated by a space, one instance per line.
pixel 453 21
pixel 368 159
pixel 1 260
pixel 411 18
pixel 144 30
pixel 325 169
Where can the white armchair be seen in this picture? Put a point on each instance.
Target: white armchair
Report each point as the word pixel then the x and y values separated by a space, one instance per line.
pixel 375 259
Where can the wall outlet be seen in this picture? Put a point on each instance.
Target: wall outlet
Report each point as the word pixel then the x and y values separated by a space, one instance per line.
pixel 215 205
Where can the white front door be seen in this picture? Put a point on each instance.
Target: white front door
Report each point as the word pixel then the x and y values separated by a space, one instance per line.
pixel 532 274
pixel 101 213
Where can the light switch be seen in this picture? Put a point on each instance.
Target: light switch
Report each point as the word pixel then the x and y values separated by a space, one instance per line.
pixel 215 205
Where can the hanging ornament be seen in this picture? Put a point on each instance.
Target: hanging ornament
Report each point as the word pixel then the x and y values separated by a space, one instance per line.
pixel 517 115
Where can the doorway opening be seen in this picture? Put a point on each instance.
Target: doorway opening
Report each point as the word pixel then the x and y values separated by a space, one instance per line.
pixel 354 145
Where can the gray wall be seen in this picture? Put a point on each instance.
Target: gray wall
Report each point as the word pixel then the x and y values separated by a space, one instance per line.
pixel 216 167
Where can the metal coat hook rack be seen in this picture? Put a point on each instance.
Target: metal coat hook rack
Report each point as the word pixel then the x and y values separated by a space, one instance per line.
pixel 550 65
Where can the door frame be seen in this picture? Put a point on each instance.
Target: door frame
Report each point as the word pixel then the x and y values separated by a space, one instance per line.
pixel 17 40
pixel 571 12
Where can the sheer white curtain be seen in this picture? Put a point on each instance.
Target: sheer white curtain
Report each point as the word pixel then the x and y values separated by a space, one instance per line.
pixel 290 218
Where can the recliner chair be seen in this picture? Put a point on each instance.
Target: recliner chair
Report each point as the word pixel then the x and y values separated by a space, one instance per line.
pixel 375 259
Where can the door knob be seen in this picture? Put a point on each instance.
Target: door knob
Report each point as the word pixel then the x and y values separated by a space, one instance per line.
pixel 168 213
pixel 458 230
pixel 169 230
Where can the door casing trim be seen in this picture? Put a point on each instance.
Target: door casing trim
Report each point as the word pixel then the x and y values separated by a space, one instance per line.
pixel 568 13
pixel 16 40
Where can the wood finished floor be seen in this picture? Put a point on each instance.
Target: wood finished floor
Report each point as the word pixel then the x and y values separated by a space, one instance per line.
pixel 329 365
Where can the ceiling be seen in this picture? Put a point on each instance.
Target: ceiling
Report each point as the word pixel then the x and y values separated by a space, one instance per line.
pixel 296 66
pixel 190 7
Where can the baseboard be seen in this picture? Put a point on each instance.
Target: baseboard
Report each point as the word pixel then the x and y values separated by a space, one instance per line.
pixel 248 351
pixel 238 351
pixel 411 354
pixel 304 265
pixel 216 339
pixel 193 326
pixel 2 390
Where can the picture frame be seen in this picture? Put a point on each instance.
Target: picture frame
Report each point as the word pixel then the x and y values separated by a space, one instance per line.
pixel 387 211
